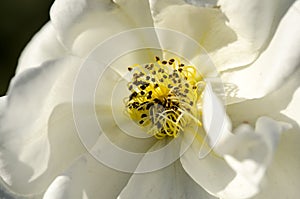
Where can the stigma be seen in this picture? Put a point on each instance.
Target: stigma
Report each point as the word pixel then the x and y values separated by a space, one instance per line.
pixel 164 96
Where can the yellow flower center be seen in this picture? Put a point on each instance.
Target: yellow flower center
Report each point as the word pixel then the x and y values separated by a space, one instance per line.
pixel 165 96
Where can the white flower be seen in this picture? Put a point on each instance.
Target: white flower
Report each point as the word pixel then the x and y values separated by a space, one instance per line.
pixel 255 47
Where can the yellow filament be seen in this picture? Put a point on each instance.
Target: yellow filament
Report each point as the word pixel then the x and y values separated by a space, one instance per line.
pixel 164 96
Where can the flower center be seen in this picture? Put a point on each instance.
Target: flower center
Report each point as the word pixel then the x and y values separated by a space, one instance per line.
pixel 164 96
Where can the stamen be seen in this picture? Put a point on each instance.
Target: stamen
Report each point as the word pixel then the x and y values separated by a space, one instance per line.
pixel 164 96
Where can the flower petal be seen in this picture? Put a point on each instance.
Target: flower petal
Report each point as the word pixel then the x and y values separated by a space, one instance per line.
pixel 247 153
pixel 87 178
pixel 213 33
pixel 29 163
pixel 230 40
pixel 216 123
pixel 251 154
pixel 30 132
pixel 44 46
pixel 82 24
pixel 282 177
pixel 210 172
pixel 274 66
pixel 168 182
pixel 254 21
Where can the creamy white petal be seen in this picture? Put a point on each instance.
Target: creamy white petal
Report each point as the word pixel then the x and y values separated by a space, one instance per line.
pixel 29 164
pixel 33 126
pixel 83 24
pixel 212 33
pixel 44 46
pixel 292 110
pixel 167 182
pixel 276 64
pixel 210 172
pixel 247 156
pixel 252 19
pixel 115 146
pixel 216 123
pixel 282 177
pixel 87 178
pixel 230 40
pixel 250 155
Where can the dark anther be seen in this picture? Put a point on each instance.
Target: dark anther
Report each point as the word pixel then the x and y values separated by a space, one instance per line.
pixel 194 87
pixel 157 101
pixel 135 104
pixel 129 69
pixel 141 122
pixel 143 87
pixel 142 93
pixel 149 95
pixel 157 58
pixel 156 85
pixel 133 95
pixel 164 62
pixel 171 61
pixel 158 124
pixel 180 69
pixel 149 105
pixel 181 65
pixel 143 115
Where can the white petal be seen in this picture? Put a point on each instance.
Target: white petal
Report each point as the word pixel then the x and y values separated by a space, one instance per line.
pixel 292 110
pixel 114 146
pixel 215 121
pixel 252 19
pixel 230 40
pixel 282 177
pixel 274 66
pixel 28 164
pixel 44 46
pixel 248 154
pixel 33 126
pixel 87 178
pixel 169 182
pixel 205 26
pixel 83 24
pixel 211 172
